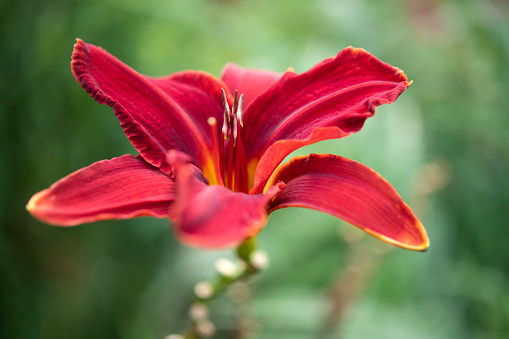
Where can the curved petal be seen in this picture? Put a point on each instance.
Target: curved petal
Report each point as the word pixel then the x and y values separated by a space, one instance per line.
pixel 339 92
pixel 120 188
pixel 262 170
pixel 198 93
pixel 352 192
pixel 213 216
pixel 154 118
pixel 250 82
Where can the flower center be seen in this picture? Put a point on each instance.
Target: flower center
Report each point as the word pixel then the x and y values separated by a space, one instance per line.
pixel 228 151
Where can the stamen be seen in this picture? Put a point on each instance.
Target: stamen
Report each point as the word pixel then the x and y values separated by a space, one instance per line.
pixel 235 130
pixel 229 166
pixel 235 103
pixel 221 157
pixel 226 126
pixel 216 156
pixel 225 101
pixel 241 156
pixel 226 115
pixel 238 178
pixel 240 110
pixel 230 162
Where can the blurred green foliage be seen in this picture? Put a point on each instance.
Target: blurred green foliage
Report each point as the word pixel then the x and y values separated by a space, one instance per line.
pixel 443 145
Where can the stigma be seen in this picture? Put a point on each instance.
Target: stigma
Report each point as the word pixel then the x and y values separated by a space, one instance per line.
pixel 229 160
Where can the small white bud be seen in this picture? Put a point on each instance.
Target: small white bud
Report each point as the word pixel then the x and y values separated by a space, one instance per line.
pixel 203 290
pixel 226 267
pixel 259 259
pixel 175 336
pixel 205 328
pixel 198 311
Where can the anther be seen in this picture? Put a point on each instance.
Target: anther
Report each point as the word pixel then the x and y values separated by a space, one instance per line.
pixel 231 166
pixel 235 102
pixel 211 121
pixel 240 110
pixel 226 125
pixel 225 101
pixel 226 115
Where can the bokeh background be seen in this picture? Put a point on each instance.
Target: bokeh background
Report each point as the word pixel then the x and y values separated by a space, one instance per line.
pixel 444 145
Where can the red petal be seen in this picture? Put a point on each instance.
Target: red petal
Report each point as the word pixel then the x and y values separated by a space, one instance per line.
pixel 120 188
pixel 339 92
pixel 198 94
pixel 352 192
pixel 281 148
pixel 250 82
pixel 154 116
pixel 215 217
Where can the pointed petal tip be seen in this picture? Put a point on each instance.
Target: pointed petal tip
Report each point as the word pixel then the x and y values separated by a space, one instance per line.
pixel 39 208
pixel 407 241
pixel 78 47
pixel 356 52
pixel 177 159
pixel 31 206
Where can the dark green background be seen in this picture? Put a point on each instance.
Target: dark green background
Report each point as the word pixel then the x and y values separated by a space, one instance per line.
pixel 444 145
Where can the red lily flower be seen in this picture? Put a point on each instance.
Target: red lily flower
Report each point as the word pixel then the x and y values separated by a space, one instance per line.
pixel 219 183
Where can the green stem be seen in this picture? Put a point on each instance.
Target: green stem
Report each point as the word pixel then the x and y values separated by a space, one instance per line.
pixel 252 262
